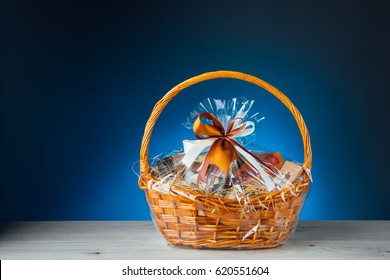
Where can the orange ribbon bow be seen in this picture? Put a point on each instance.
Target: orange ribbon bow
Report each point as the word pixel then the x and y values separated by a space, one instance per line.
pixel 222 152
pixel 224 149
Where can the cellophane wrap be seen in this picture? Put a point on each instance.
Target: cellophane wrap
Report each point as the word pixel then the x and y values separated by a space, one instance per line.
pixel 217 164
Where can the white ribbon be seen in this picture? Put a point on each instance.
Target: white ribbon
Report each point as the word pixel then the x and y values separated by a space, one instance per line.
pixel 193 148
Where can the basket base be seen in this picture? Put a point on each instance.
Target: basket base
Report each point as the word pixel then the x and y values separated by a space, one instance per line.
pixel 190 247
pixel 214 223
pixel 213 246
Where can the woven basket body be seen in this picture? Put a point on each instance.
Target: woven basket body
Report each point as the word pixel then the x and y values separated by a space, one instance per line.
pixel 205 221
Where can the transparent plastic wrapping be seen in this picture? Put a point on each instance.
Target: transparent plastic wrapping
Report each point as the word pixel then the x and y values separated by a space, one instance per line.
pixel 215 192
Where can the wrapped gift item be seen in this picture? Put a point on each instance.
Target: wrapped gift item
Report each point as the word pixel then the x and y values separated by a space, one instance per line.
pixel 167 164
pixel 272 161
pixel 291 170
pixel 221 137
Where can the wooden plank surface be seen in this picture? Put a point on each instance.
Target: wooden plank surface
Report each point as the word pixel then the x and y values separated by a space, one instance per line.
pixel 140 240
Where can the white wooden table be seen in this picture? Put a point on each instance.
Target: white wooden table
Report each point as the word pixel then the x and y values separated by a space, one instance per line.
pixel 140 240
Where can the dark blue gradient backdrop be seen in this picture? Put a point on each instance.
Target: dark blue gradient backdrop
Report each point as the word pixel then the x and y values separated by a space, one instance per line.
pixel 79 80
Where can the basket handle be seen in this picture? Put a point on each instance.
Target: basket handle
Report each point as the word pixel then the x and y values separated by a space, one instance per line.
pixel 160 105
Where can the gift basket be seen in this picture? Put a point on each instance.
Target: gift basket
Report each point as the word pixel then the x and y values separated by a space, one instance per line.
pixel 218 192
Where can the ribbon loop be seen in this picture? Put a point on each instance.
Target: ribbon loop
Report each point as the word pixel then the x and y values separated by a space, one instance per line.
pixel 203 130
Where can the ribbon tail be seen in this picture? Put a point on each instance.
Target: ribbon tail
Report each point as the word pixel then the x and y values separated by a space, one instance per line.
pixel 253 161
pixel 192 149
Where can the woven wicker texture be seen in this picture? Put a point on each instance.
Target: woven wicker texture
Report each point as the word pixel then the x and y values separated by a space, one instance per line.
pixel 209 221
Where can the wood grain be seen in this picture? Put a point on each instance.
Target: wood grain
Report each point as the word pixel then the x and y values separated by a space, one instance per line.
pixel 140 240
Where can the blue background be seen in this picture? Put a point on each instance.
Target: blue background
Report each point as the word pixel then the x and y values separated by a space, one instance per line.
pixel 78 82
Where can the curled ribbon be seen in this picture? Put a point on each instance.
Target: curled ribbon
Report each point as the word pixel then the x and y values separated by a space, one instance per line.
pixel 224 148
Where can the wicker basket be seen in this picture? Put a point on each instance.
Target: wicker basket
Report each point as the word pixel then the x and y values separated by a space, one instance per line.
pixel 212 222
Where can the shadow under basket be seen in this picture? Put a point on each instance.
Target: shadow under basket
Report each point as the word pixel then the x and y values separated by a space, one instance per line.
pixel 189 218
